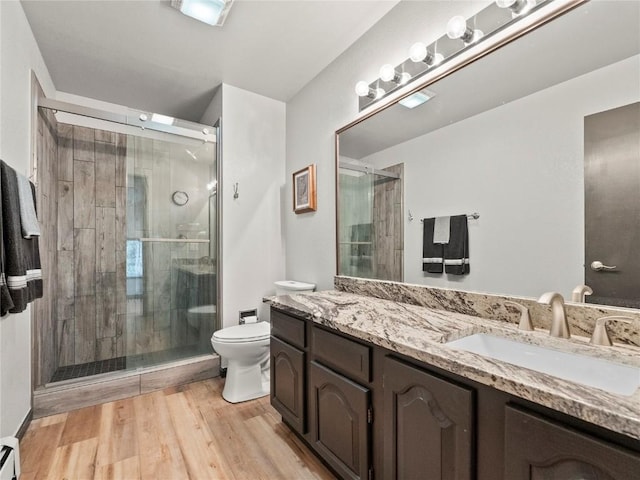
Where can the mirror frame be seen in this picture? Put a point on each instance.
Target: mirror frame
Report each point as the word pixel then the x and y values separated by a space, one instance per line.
pixel 475 52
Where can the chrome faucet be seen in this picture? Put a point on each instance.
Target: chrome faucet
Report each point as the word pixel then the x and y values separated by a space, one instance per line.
pixel 600 334
pixel 559 324
pixel 580 292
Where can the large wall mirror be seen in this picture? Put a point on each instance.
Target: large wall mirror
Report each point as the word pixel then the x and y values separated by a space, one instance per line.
pixel 541 138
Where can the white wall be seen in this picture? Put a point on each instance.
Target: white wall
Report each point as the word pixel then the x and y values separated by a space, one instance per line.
pixel 253 152
pixel 19 55
pixel 327 103
pixel 521 167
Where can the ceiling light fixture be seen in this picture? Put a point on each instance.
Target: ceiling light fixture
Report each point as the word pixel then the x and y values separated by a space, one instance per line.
pixel 212 12
pixel 419 53
pixel 417 99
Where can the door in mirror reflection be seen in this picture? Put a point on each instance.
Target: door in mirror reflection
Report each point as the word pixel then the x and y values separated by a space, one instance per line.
pixel 612 205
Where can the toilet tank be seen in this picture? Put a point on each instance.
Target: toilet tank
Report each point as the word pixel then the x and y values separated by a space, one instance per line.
pixel 286 287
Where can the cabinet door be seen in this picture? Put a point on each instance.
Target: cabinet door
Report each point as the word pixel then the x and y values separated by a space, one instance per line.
pixel 287 383
pixel 539 449
pixel 339 421
pixel 428 425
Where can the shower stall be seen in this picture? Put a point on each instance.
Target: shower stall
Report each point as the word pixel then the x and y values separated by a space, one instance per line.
pixel 129 208
pixel 370 234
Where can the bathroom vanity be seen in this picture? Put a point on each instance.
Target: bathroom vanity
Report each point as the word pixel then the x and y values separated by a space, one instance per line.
pixel 372 386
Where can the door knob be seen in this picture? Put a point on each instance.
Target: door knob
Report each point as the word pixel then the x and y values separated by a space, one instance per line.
pixel 598 266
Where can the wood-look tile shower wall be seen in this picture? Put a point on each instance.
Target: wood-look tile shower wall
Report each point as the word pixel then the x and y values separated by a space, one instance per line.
pixel 388 225
pixel 91 245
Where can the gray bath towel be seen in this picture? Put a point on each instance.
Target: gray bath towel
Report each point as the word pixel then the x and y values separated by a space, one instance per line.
pixel 28 218
pixel 21 274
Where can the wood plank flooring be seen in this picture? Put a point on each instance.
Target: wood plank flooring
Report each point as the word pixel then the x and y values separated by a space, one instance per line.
pixel 186 432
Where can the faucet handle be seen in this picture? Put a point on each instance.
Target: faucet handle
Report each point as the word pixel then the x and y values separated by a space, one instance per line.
pixel 580 292
pixel 525 318
pixel 600 335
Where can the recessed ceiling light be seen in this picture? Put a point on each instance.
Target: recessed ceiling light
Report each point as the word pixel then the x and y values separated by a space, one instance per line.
pixel 212 12
pixel 417 99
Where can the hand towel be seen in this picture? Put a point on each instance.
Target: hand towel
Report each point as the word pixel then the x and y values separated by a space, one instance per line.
pixel 20 256
pixel 28 217
pixel 432 253
pixel 456 252
pixel 441 230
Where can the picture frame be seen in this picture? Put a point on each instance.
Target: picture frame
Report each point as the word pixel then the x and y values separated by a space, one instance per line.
pixel 304 190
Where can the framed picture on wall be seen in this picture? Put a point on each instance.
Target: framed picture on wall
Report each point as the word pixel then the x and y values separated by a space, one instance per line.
pixel 304 190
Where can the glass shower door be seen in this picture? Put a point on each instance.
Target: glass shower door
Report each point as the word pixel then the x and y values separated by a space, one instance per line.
pixel 171 250
pixel 356 224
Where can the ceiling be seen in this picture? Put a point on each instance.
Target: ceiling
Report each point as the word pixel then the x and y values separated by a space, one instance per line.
pixel 554 53
pixel 146 55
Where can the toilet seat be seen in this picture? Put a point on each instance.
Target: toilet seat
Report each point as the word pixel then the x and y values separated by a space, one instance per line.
pixel 249 332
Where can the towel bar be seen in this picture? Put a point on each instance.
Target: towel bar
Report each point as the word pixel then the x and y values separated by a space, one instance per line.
pixel 473 216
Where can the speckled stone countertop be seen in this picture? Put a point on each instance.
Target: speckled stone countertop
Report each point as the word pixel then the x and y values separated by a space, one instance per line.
pixel 422 333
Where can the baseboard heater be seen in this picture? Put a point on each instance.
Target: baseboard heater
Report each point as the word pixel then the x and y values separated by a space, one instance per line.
pixel 9 458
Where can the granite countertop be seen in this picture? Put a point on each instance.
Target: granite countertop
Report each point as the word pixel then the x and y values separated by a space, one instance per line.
pixel 422 333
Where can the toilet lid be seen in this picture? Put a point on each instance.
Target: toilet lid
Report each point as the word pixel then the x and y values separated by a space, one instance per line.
pixel 248 332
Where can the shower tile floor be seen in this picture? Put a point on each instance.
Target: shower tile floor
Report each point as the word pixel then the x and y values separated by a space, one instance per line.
pixel 123 363
pixel 91 368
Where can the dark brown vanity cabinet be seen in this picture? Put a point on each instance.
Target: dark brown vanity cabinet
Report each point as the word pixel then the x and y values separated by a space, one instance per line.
pixel 370 413
pixel 288 369
pixel 539 449
pixel 428 425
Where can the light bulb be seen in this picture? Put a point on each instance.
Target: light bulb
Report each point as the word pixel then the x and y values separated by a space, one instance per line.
pixel 362 89
pixel 456 27
pixel 387 72
pixel 505 3
pixel 418 52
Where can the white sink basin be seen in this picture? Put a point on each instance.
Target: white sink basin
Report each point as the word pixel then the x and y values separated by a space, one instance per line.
pixel 594 372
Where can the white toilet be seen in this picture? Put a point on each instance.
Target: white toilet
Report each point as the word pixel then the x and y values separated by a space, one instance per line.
pixel 246 348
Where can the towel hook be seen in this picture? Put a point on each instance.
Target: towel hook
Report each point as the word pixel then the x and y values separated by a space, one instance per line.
pixel 235 190
pixel 410 216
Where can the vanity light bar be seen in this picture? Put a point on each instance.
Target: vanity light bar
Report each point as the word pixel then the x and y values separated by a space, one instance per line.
pixel 460 35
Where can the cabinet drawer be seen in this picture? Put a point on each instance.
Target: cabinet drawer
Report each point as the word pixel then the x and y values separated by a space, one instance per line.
pixel 346 356
pixel 288 328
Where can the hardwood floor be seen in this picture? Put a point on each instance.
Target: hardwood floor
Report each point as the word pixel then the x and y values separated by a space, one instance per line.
pixel 186 432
